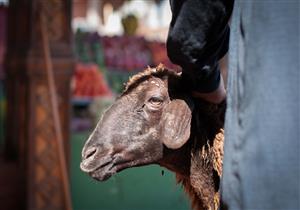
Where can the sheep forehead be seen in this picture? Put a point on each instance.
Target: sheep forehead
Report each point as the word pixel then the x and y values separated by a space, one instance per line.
pixel 151 84
pixel 157 82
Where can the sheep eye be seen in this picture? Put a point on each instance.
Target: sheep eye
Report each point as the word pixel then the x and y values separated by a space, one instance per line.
pixel 156 101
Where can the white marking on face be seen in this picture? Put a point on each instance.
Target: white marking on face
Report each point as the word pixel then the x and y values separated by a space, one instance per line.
pixel 155 83
pixel 123 133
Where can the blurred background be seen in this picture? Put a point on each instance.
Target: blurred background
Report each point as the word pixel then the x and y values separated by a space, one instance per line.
pixel 94 46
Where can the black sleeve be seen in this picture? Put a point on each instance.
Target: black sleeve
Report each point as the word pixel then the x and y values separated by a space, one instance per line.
pixel 198 37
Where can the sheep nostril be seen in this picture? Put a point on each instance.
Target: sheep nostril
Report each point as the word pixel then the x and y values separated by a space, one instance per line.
pixel 89 152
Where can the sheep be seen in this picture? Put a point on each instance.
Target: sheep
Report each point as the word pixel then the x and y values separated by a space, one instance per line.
pixel 155 121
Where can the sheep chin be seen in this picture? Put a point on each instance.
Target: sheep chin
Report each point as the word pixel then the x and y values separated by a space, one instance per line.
pixel 103 173
pixel 106 171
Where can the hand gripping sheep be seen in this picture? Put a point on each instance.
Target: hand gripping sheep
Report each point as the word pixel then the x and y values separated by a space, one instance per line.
pixel 155 122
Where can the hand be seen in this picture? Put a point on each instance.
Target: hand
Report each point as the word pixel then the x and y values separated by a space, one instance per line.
pixel 216 96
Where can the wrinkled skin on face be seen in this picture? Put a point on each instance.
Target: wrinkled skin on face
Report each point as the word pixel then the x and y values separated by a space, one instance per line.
pixel 144 126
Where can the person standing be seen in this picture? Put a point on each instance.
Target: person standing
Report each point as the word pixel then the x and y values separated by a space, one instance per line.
pixel 261 168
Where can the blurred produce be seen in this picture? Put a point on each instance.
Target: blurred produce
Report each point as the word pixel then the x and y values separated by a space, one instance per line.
pixel 89 82
pixel 88 48
pixel 130 24
pixel 159 55
pixel 104 65
pixel 120 53
pixel 126 53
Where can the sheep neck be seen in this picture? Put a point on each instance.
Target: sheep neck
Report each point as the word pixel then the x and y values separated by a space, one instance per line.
pixel 199 166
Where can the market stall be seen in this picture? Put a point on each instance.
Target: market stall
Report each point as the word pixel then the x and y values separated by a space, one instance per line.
pixel 91 55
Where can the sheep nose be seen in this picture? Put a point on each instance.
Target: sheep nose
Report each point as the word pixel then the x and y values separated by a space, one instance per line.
pixel 89 152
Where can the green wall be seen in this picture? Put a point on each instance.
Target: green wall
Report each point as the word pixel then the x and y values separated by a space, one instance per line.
pixel 142 188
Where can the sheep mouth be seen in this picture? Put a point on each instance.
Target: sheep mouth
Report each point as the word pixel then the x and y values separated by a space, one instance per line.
pixel 102 168
pixel 103 173
pixel 108 169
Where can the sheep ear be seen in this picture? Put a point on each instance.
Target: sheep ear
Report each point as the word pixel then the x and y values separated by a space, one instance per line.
pixel 175 124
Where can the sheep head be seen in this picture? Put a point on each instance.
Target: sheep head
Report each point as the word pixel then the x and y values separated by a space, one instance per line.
pixel 145 125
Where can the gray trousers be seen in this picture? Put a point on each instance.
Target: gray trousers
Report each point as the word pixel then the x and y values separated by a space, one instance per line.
pixel 262 143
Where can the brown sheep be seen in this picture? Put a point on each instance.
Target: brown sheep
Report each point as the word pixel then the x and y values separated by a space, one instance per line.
pixel 154 122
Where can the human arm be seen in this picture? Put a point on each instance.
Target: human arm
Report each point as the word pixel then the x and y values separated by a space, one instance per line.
pixel 216 96
pixel 198 37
